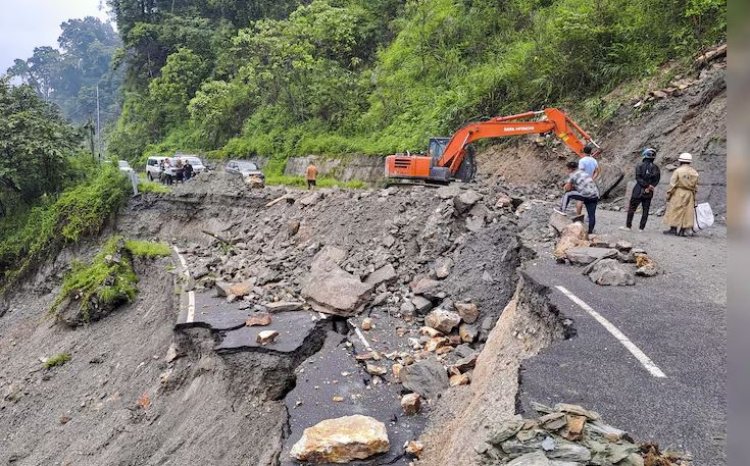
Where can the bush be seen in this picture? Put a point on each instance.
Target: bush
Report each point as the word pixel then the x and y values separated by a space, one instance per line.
pixel 324 182
pixel 109 280
pixel 152 187
pixel 148 249
pixel 57 360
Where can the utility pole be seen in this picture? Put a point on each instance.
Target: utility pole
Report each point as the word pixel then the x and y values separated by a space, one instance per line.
pixel 98 125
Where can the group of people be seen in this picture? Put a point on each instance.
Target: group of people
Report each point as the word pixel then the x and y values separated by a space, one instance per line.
pixel 180 172
pixel 581 186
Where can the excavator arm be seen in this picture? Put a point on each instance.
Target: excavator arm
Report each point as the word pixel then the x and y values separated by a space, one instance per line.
pixel 428 168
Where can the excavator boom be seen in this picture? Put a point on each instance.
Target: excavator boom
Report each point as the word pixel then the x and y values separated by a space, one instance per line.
pixel 445 166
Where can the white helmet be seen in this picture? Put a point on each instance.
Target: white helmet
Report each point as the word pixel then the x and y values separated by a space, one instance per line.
pixel 685 158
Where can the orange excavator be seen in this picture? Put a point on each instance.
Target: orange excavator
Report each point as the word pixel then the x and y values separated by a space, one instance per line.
pixel 452 158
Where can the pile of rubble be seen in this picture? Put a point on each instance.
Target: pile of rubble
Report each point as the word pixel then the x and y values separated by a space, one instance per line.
pixel 569 435
pixel 607 262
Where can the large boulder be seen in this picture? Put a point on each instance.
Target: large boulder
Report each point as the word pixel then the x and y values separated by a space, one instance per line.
pixel 427 377
pixel 342 440
pixel 572 236
pixel 330 289
pixel 435 237
pixel 610 272
pixel 384 274
pixel 609 177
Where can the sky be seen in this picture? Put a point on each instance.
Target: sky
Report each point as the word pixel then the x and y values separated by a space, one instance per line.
pixel 25 24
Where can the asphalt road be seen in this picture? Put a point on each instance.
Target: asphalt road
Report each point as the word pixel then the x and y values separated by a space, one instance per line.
pixel 677 319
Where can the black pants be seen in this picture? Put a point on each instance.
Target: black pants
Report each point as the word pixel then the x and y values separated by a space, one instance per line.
pixel 310 184
pixel 634 202
pixel 589 202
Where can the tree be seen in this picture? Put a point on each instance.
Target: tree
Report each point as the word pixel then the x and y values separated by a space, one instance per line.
pixel 35 142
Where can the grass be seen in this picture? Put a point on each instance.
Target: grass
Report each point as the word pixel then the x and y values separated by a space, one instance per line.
pixel 152 187
pixel 57 360
pixel 109 278
pixel 324 182
pixel 147 249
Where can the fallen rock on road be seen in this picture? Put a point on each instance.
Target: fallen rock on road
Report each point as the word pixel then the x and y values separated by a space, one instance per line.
pixel 342 440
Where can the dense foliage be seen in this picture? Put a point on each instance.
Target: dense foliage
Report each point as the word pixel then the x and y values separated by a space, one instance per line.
pixel 80 211
pixel 287 78
pixel 68 76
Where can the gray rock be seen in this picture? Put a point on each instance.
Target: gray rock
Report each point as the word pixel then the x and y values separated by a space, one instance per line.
pixel 426 286
pixel 505 431
pixel 384 274
pixel 466 200
pixel 427 377
pixel 443 267
pixel 407 308
pixel 284 306
pixel 331 290
pixel 585 256
pixel 558 222
pixel 624 246
pixel 421 304
pixel 448 192
pixel 609 272
pixel 569 451
pixel 474 224
pixel 442 320
pixel 536 458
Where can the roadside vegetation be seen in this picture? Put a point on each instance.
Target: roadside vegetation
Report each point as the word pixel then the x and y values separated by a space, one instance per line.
pixel 147 249
pixel 57 360
pixel 323 182
pixel 108 281
pixel 330 77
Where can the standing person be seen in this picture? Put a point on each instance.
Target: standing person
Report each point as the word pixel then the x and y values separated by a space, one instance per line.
pixel 187 170
pixel 590 165
pixel 580 187
pixel 683 187
pixel 647 176
pixel 311 175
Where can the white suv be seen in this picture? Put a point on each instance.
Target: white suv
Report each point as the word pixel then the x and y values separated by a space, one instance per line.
pixel 153 170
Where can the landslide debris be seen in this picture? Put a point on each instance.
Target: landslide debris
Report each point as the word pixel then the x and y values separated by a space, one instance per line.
pixel 569 435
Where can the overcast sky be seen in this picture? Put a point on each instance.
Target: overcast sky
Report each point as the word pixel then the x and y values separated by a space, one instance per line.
pixel 25 24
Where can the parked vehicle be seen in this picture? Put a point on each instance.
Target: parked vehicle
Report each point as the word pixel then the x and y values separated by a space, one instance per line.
pixel 244 168
pixel 196 162
pixel 124 166
pixel 153 168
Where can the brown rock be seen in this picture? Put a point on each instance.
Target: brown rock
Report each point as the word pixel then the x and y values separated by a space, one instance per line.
pixel 443 266
pixel 372 369
pixel 342 440
pixel 414 447
pixel 574 427
pixel 411 403
pixel 434 343
pixel 468 333
pixel 462 379
pixel 260 319
pixel 572 236
pixel 430 332
pixel 425 286
pixel 469 312
pixel 243 289
pixel 396 370
pixel 367 324
pixel 442 320
pixel 266 337
pixel 503 201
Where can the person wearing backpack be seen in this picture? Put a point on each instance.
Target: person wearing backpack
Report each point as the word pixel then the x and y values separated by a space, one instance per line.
pixel 647 176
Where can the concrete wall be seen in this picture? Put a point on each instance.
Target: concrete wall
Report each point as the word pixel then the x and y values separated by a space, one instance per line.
pixel 360 167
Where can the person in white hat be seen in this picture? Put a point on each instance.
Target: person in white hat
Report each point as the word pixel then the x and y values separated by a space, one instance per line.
pixel 680 215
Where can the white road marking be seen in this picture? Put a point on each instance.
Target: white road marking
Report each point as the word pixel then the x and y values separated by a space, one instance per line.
pixel 362 338
pixel 191 307
pixel 634 350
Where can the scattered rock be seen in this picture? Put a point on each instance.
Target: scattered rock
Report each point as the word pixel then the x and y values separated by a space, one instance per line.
pixel 646 267
pixel 572 236
pixel 414 447
pixel 284 306
pixel 587 255
pixel 536 458
pixel 474 224
pixel 468 333
pixel 427 378
pixel 261 319
pixel 443 266
pixel 367 324
pixel 609 272
pixel 385 274
pixel 267 337
pixel 466 200
pixel 425 286
pixel 460 379
pixel 342 440
pixel 172 353
pixel 559 222
pixel 442 320
pixel 448 192
pixel 469 312
pixel 242 289
pixel 503 201
pixel 421 304
pixel 223 289
pixel 411 403
pixel 373 369
pixel 624 246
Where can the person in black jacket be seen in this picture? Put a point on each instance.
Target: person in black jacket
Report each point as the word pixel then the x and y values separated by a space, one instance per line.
pixel 647 176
